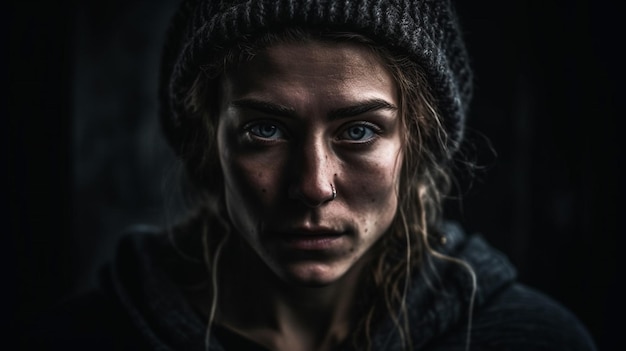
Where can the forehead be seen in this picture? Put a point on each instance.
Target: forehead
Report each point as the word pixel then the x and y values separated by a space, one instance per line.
pixel 341 58
pixel 330 69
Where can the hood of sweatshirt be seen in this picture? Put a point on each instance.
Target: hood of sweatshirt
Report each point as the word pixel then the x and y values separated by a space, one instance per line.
pixel 441 296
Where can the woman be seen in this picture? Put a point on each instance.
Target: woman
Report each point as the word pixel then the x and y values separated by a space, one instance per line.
pixel 319 138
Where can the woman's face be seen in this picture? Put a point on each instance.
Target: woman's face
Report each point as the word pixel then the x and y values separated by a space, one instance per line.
pixel 298 123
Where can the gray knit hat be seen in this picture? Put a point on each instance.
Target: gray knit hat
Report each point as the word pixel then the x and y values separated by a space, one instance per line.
pixel 426 30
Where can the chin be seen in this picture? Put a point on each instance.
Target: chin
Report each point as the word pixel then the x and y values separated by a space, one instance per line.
pixel 312 274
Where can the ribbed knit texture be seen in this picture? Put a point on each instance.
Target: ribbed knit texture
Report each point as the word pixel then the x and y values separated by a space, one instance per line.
pixel 426 30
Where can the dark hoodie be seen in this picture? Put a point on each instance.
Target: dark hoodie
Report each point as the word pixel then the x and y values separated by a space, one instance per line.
pixel 139 307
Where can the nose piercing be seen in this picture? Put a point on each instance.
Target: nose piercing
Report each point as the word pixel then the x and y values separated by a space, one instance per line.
pixel 334 191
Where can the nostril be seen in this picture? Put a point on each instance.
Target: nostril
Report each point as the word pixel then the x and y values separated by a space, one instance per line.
pixel 313 196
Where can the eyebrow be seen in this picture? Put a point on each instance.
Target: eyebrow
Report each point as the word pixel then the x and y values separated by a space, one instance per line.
pixel 265 107
pixel 361 108
pixel 342 112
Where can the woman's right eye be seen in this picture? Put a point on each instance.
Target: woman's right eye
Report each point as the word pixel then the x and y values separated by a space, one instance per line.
pixel 265 130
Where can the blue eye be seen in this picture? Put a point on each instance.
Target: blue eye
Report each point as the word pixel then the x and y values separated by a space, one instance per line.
pixel 358 132
pixel 266 130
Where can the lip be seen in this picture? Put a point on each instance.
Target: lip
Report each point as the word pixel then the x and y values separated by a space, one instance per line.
pixel 319 239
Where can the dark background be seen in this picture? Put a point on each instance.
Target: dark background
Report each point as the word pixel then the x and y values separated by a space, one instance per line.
pixel 83 157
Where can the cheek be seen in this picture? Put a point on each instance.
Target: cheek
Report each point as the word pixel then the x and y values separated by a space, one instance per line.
pixel 378 176
pixel 251 180
pixel 374 189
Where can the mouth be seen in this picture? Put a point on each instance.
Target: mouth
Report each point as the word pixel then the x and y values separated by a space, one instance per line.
pixel 311 240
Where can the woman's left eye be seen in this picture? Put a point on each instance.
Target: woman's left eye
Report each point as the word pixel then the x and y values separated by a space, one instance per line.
pixel 359 133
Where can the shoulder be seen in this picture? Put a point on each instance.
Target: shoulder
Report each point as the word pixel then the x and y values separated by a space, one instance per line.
pixel 508 315
pixel 117 313
pixel 522 318
pixel 91 320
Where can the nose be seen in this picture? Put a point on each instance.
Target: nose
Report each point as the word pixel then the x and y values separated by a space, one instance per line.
pixel 313 172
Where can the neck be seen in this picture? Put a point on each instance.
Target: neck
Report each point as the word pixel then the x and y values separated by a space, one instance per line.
pixel 281 315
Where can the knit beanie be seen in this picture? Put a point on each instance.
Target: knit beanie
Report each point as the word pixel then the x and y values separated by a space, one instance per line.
pixel 425 30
